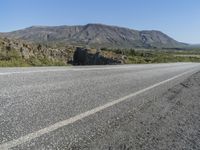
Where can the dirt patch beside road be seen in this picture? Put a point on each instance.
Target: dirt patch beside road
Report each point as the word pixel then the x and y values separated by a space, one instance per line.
pixel 169 122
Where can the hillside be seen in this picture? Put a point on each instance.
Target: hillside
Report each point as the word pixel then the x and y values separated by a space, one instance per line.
pixel 194 46
pixel 95 35
pixel 21 53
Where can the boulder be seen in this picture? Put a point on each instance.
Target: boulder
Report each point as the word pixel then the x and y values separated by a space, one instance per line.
pixel 83 56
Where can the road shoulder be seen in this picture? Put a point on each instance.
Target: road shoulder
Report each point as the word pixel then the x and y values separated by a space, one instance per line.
pixel 171 121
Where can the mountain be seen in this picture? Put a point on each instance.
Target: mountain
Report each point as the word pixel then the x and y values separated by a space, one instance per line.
pixel 194 46
pixel 95 35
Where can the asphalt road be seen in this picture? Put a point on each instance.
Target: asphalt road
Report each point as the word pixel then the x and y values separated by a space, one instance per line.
pixel 71 107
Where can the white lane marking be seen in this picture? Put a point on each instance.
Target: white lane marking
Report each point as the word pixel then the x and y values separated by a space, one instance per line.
pixel 85 69
pixel 31 136
pixel 34 71
pixel 26 72
pixel 67 69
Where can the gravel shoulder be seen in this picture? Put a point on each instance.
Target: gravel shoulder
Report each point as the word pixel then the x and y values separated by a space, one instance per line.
pixel 170 121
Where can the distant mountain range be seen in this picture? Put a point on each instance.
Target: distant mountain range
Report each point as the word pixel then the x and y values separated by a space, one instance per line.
pixel 96 35
pixel 194 46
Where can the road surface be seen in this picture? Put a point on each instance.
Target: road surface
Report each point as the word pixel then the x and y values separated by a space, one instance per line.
pixel 71 107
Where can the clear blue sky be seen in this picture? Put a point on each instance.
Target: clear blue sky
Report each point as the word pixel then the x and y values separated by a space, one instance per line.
pixel 178 18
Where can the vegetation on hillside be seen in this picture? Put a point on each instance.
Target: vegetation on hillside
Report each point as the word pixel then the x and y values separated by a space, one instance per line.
pixel 13 59
pixel 16 54
pixel 19 54
pixel 157 56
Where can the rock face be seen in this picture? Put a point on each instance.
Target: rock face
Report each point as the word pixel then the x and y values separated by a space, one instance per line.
pixel 95 35
pixel 32 53
pixel 29 51
pixel 84 56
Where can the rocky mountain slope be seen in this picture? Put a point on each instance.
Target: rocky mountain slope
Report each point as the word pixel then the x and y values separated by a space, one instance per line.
pixel 95 35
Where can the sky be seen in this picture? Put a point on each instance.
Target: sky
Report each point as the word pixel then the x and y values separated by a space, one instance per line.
pixel 180 19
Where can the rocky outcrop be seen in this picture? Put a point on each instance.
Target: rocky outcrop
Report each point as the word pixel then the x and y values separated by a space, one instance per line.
pixel 28 51
pixel 37 54
pixel 84 56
